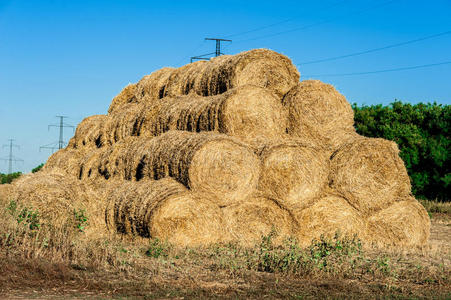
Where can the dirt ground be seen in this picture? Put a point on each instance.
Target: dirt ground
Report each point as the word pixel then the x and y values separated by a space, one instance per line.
pixel 37 279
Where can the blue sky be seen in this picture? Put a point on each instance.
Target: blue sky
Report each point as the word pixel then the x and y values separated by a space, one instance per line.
pixel 73 57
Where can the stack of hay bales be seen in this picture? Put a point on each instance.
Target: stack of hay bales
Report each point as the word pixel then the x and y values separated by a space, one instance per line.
pixel 231 149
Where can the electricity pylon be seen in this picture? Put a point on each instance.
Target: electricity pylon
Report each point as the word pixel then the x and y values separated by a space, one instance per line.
pixel 11 158
pixel 60 144
pixel 216 53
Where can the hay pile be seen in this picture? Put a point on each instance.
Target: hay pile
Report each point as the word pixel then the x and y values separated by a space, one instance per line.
pixel 228 150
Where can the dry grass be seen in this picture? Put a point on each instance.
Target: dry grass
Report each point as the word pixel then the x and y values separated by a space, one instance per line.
pixel 64 262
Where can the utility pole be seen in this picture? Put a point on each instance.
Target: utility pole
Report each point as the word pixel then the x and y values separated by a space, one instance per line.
pixel 216 53
pixel 11 158
pixel 60 144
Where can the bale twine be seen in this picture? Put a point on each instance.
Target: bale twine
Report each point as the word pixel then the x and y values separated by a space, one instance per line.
pixel 127 95
pixel 317 111
pixel 260 67
pixel 326 217
pixel 404 223
pixel 250 220
pixel 369 173
pixel 209 163
pixel 130 205
pixel 188 219
pixel 89 132
pixel 293 174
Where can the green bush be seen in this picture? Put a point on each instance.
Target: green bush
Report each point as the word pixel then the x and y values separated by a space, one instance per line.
pixel 422 132
pixel 37 169
pixel 8 178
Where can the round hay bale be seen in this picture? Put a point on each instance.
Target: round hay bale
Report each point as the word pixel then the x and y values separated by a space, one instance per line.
pixel 130 204
pixel 153 86
pixel 260 67
pixel 127 95
pixel 294 175
pixel 89 165
pixel 404 223
pixel 187 219
pixel 6 191
pixel 67 160
pixel 54 196
pixel 123 123
pixel 89 132
pixel 317 111
pixel 369 173
pixel 247 112
pixel 209 163
pixel 248 221
pixel 326 217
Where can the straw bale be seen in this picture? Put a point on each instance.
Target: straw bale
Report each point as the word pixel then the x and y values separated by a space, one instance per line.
pixel 89 165
pixel 123 122
pixel 293 174
pixel 6 191
pixel 67 160
pixel 247 112
pixel 89 132
pixel 206 162
pixel 326 217
pixel 260 67
pixel 317 111
pixel 369 173
pixel 188 219
pixel 153 86
pixel 127 95
pixel 248 221
pixel 53 195
pixel 404 223
pixel 130 205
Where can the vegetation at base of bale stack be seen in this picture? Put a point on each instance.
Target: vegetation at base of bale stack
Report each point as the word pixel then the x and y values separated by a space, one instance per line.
pixel 422 132
pixel 37 169
pixel 8 178
pixel 64 252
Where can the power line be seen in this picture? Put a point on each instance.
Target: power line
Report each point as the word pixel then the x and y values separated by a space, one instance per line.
pixel 316 23
pixel 277 23
pixel 11 158
pixel 60 144
pixel 375 49
pixel 380 71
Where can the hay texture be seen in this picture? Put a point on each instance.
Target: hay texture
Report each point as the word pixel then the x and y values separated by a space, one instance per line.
pixel 188 219
pixel 261 67
pixel 229 150
pixel 369 173
pixel 326 217
pixel 293 174
pixel 404 223
pixel 131 205
pixel 250 220
pixel 317 111
pixel 89 133
pixel 213 164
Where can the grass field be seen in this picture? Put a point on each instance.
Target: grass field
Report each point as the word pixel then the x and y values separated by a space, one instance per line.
pixel 50 263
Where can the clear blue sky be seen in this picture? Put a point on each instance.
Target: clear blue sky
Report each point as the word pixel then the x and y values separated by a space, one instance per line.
pixel 73 57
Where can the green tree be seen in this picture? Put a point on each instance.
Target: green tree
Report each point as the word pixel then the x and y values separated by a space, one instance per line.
pixel 422 133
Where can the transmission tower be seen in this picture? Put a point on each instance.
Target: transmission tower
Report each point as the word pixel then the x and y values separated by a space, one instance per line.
pixel 11 158
pixel 216 53
pixel 60 144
